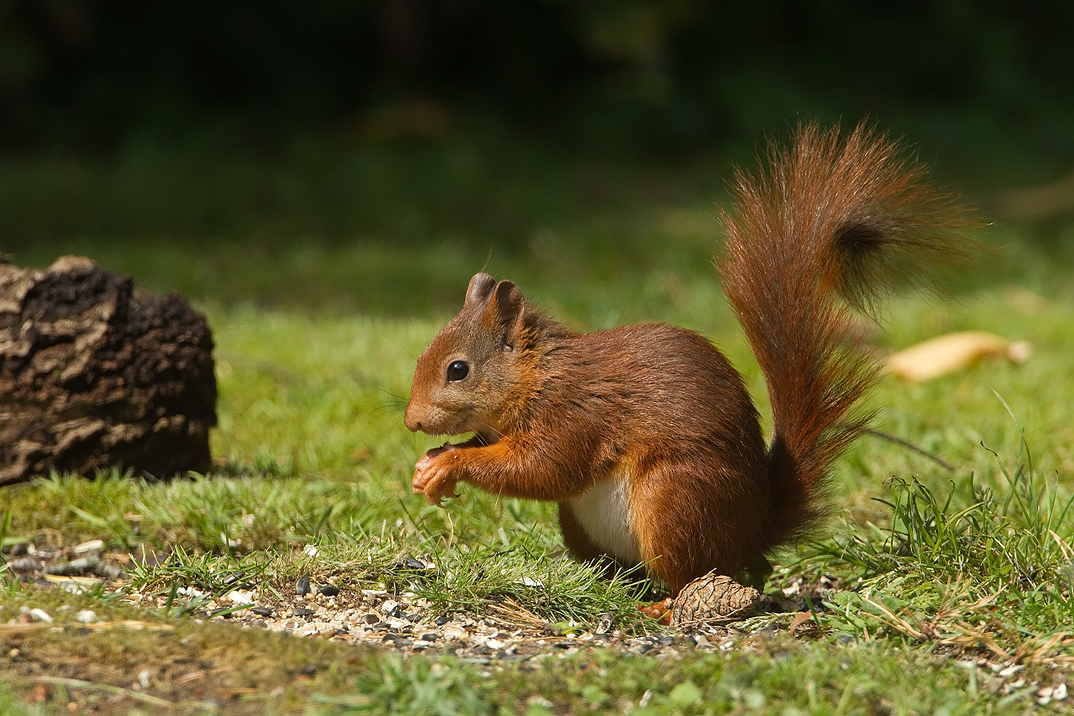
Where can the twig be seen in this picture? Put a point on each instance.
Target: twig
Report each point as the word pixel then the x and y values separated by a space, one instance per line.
pixel 80 684
pixel 910 446
pixel 96 626
pixel 894 621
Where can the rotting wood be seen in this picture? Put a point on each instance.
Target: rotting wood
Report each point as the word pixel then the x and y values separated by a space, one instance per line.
pixel 96 374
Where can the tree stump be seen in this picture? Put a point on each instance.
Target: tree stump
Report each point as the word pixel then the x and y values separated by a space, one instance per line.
pixel 95 374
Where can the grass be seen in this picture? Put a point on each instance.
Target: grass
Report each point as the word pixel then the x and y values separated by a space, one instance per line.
pixel 920 573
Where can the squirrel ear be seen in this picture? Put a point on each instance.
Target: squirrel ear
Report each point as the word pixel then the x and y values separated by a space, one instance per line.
pixel 505 309
pixel 479 290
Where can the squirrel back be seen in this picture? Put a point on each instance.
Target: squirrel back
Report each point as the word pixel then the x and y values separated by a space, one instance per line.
pixel 827 231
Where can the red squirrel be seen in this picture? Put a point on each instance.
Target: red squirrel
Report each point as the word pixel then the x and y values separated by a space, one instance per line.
pixel 645 435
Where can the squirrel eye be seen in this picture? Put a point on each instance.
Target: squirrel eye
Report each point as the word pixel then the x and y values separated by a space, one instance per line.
pixel 457 370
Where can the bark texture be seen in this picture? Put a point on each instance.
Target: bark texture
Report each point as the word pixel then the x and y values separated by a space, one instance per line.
pixel 95 374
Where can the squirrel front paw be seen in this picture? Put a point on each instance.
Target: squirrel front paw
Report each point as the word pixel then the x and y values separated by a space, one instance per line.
pixel 432 474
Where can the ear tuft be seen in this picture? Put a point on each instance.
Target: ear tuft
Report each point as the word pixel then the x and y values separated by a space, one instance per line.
pixel 479 290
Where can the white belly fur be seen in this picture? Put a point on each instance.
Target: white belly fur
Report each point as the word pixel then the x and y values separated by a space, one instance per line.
pixel 604 512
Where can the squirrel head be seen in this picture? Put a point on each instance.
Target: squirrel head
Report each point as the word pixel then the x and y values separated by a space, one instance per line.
pixel 467 378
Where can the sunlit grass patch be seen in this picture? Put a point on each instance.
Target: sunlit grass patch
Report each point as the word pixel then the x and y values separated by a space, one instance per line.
pixel 928 571
pixel 974 567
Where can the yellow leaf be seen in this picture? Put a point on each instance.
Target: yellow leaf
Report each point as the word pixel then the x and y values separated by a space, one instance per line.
pixel 953 352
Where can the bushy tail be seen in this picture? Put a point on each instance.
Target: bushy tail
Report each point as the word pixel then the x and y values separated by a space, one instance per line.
pixel 830 227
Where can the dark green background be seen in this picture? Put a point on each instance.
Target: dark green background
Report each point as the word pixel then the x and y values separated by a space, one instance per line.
pixel 658 75
pixel 247 129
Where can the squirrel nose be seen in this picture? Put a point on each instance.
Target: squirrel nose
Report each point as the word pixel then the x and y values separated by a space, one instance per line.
pixel 412 424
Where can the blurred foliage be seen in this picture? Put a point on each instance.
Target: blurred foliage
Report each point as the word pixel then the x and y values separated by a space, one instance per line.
pixel 176 140
pixel 653 74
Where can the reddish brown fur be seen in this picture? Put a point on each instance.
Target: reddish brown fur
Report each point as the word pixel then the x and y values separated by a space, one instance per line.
pixel 557 412
pixel 789 280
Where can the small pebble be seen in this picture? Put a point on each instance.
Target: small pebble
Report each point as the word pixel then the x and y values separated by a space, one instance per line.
pixel 303 586
pixel 240 597
pixel 442 620
pixel 37 614
pixel 94 545
pixel 453 632
pixel 86 616
pixel 302 612
pixel 74 568
pixel 329 590
pixel 262 611
pixel 72 587
pixel 108 570
pixel 24 564
pixel 233 577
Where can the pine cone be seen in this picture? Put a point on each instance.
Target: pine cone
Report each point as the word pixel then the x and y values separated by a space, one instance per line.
pixel 713 599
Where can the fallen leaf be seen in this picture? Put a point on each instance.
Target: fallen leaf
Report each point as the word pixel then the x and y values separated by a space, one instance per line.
pixel 953 352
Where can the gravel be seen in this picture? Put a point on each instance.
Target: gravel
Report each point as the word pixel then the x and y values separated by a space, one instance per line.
pixel 398 620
